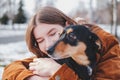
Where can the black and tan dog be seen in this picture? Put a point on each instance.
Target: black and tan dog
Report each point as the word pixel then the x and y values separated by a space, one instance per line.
pixel 77 47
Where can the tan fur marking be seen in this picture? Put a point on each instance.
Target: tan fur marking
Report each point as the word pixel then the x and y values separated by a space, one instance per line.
pixel 98 43
pixel 76 52
pixel 61 47
pixel 79 54
pixel 69 30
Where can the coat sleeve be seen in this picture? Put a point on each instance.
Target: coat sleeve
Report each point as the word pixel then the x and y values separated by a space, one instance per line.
pixel 17 70
pixel 108 67
pixel 64 73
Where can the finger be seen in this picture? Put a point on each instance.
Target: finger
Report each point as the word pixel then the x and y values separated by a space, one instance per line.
pixel 35 72
pixel 32 68
pixel 39 60
pixel 35 59
pixel 32 64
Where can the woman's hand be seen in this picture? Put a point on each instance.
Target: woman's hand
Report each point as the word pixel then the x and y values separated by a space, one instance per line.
pixel 45 67
pixel 81 21
pixel 35 77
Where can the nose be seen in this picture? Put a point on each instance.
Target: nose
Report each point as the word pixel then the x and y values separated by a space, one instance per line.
pixel 49 47
pixel 48 43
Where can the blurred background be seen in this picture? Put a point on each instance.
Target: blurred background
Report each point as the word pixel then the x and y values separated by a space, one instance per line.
pixel 15 15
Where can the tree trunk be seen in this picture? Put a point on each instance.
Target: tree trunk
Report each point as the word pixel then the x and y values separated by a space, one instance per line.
pixel 114 17
pixel 91 10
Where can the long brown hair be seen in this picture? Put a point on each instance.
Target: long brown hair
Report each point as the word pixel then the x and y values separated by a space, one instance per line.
pixel 49 15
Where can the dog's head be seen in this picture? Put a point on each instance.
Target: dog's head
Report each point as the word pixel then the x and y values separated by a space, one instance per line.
pixel 78 42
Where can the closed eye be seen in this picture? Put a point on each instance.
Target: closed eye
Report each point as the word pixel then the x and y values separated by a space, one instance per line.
pixel 40 41
pixel 52 34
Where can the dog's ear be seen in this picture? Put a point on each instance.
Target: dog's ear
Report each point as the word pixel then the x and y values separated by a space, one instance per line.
pixel 93 37
pixel 96 39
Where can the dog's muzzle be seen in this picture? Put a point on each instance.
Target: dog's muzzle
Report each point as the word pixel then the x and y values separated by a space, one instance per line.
pixel 50 50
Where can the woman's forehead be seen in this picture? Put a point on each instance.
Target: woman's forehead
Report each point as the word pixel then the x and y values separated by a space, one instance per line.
pixel 43 28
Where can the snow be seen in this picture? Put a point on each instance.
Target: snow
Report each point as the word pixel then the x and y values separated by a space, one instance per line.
pixel 1 70
pixel 12 51
pixel 5 34
pixel 18 50
pixel 6 30
pixel 108 29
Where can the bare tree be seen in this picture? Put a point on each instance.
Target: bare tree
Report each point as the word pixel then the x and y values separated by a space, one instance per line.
pixel 91 10
pixel 114 18
pixel 40 3
pixel 8 8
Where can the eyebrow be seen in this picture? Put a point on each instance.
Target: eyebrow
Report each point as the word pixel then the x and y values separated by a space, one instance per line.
pixel 51 30
pixel 47 33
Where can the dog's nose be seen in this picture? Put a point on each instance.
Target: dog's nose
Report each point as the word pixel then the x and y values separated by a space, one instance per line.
pixel 50 50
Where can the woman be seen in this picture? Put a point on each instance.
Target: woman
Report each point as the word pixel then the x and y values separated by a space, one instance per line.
pixel 42 32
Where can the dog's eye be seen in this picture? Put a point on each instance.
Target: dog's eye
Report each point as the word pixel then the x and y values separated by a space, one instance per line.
pixel 71 36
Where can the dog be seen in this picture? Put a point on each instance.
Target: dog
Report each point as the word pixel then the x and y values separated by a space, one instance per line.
pixel 77 47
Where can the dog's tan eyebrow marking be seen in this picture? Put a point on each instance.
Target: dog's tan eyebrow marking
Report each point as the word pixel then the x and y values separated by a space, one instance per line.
pixel 76 52
pixel 69 30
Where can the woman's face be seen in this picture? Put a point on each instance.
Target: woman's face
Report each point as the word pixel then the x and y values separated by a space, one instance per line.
pixel 46 35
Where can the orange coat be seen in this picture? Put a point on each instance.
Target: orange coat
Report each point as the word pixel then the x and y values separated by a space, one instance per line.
pixel 108 66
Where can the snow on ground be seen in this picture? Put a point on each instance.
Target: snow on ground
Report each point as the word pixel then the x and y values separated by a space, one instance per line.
pixel 10 32
pixel 1 70
pixel 108 28
pixel 14 50
pixel 11 52
pixel 14 26
pixel 18 50
pixel 7 30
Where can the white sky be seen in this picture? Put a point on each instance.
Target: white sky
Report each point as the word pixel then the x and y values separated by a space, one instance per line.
pixel 67 5
pixel 64 5
pixel 29 6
